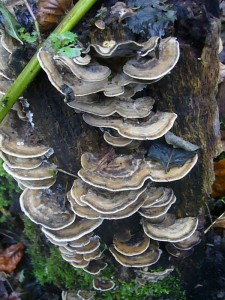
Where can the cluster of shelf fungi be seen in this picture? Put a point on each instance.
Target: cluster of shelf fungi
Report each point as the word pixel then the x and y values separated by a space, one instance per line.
pixel 114 186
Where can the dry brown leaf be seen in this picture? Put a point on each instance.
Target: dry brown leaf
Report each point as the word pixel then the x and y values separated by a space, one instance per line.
pixel 10 257
pixel 218 187
pixel 50 12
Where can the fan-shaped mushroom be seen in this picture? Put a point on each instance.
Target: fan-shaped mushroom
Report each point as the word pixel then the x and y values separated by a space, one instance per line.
pixel 74 231
pixel 44 207
pixel 122 173
pixel 154 68
pixel 153 127
pixel 149 257
pixel 180 230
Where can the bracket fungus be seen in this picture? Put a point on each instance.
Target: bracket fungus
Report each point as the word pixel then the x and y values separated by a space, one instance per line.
pixel 149 68
pixel 137 244
pixel 103 107
pixel 90 213
pixel 104 201
pixel 116 140
pixel 180 230
pixel 76 230
pixel 103 285
pixel 43 207
pixel 124 172
pixel 152 127
pixel 147 258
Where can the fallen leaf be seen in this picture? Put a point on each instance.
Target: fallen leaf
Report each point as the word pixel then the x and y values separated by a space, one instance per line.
pixel 168 156
pixel 10 257
pixel 218 187
pixel 10 23
pixel 50 12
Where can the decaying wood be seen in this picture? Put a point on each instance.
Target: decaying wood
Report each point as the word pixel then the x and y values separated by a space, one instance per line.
pixel 189 91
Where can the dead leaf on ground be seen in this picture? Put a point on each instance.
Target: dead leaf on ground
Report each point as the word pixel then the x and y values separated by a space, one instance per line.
pixel 10 257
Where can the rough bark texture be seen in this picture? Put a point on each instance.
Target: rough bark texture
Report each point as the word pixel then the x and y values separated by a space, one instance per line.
pixel 190 91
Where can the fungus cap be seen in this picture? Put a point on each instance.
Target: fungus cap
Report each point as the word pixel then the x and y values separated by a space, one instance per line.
pixel 155 212
pixel 95 267
pixel 190 242
pixel 44 171
pixel 80 265
pixel 172 250
pixel 106 202
pixel 127 108
pixel 103 285
pixel 85 295
pixel 21 163
pixel 37 184
pixel 89 213
pixel 43 207
pixel 145 259
pixel 153 127
pixel 90 72
pixel 116 140
pixel 154 195
pixel 74 231
pixel 137 244
pixel 180 230
pixel 75 257
pixel 123 172
pixel 93 245
pixel 155 68
pixel 96 254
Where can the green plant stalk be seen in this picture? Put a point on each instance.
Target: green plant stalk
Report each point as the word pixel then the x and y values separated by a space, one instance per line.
pixel 32 68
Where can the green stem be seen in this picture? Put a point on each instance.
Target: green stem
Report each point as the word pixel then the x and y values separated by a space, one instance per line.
pixel 32 68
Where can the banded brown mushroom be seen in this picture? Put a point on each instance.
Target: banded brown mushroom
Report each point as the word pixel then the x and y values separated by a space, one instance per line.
pixel 116 140
pixel 147 258
pixel 180 230
pixel 125 48
pixel 103 201
pixel 76 230
pixel 157 67
pixel 152 127
pixel 157 208
pixel 103 107
pixel 44 171
pixel 137 244
pixel 102 285
pixel 127 173
pixel 45 207
pixel 15 146
pixel 89 213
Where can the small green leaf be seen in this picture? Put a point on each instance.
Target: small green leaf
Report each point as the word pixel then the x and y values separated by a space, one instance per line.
pixel 28 37
pixel 69 52
pixel 10 23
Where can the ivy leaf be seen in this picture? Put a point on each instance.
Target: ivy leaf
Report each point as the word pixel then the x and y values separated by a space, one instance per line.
pixel 151 18
pixel 10 23
pixel 69 51
pixel 168 156
pixel 68 38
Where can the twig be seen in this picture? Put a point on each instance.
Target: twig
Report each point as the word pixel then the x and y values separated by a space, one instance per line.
pixel 33 67
pixel 65 172
pixel 34 18
pixel 211 225
pixel 11 237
